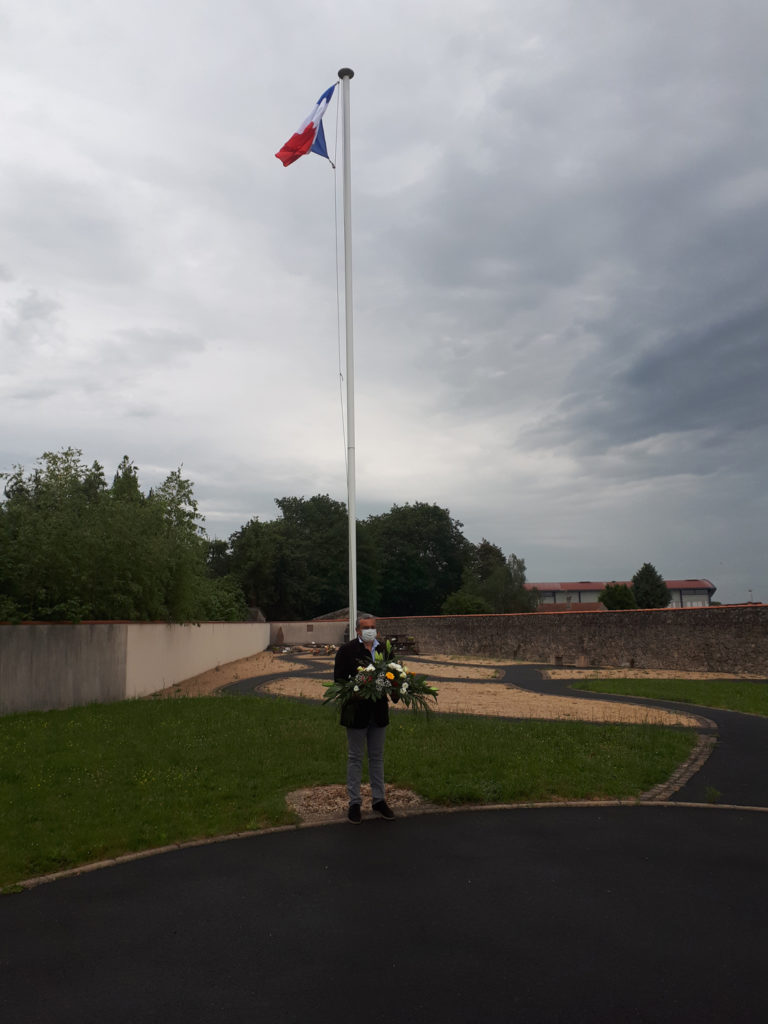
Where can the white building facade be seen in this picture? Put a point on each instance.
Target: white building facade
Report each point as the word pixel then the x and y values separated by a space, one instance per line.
pixel 685 593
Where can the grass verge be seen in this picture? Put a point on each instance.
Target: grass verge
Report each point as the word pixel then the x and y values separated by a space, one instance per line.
pixel 99 781
pixel 731 695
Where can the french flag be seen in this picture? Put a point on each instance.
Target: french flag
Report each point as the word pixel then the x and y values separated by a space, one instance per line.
pixel 310 138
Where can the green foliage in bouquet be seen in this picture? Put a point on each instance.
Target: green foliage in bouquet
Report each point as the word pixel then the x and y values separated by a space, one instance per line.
pixel 384 678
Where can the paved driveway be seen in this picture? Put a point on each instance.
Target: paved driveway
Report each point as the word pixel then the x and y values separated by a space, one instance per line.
pixel 616 914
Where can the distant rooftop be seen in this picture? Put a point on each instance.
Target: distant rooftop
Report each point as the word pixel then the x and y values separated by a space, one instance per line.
pixel 597 586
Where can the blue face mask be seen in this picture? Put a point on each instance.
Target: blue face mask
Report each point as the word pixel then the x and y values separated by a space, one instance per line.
pixel 368 635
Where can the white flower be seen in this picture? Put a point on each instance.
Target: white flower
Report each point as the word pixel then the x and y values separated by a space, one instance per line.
pixel 356 688
pixel 369 668
pixel 394 665
pixel 404 688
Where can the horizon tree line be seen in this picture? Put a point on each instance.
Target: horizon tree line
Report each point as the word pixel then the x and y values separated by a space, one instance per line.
pixel 74 547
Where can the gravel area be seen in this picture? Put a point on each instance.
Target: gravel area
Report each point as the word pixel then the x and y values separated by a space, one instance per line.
pixel 481 698
pixel 509 701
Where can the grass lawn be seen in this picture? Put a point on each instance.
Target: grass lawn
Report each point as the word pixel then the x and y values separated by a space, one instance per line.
pixel 95 782
pixel 730 694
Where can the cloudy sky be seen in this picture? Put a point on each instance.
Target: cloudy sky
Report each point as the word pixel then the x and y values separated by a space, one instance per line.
pixel 560 242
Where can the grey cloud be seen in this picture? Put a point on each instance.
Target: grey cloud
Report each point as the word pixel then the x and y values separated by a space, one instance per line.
pixel 31 319
pixel 142 412
pixel 70 227
pixel 34 306
pixel 157 342
pixel 717 375
pixel 126 359
pixel 711 380
pixel 612 178
pixel 32 394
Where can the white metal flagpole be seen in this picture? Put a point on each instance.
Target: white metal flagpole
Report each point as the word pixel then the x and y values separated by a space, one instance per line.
pixel 345 74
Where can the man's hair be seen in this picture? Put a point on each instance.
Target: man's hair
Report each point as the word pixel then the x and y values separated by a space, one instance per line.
pixel 362 618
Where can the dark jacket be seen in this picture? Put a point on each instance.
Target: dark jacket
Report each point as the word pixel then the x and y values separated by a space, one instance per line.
pixel 358 714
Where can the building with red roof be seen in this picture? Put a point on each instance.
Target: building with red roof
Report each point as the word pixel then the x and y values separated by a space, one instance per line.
pixel 583 595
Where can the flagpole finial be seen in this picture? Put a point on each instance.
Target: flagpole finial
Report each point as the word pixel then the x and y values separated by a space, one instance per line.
pixel 346 73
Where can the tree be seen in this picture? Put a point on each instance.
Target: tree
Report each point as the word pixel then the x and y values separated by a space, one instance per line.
pixel 491 583
pixel 617 596
pixel 420 552
pixel 218 558
pixel 73 548
pixel 294 567
pixel 51 536
pixel 485 559
pixel 250 562
pixel 313 554
pixel 649 588
pixel 464 602
pixel 522 600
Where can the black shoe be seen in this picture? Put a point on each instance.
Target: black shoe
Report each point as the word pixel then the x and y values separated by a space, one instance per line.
pixel 354 814
pixel 382 808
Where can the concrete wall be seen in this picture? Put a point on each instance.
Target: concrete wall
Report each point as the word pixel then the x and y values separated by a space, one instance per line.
pixel 159 655
pixel 46 666
pixel 56 666
pixel 323 632
pixel 730 639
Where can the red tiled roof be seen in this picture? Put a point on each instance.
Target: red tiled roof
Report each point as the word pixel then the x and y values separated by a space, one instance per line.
pixel 573 606
pixel 590 585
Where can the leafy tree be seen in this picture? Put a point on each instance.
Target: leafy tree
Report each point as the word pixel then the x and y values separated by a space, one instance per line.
pixel 314 554
pixel 250 562
pixel 421 553
pixel 72 548
pixel 618 596
pixel 485 559
pixel 50 537
pixel 218 558
pixel 464 602
pixel 491 583
pixel 523 600
pixel 222 600
pixel 294 567
pixel 649 588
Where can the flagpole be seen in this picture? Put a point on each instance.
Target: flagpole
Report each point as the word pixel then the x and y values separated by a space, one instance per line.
pixel 345 74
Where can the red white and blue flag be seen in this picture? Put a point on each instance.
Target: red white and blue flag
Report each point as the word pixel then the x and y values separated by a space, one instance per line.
pixel 310 138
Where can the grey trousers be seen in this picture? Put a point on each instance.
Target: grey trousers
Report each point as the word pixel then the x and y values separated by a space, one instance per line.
pixel 357 739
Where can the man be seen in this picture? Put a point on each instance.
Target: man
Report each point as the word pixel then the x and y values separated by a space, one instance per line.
pixel 365 721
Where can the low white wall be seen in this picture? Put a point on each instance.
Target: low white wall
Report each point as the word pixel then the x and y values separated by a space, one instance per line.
pixel 322 632
pixel 159 655
pixel 51 665
pixel 45 666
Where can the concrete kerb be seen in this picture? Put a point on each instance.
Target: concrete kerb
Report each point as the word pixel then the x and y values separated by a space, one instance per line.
pixel 31 883
pixel 704 747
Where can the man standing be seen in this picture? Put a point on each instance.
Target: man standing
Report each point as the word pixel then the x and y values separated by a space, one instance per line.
pixel 365 721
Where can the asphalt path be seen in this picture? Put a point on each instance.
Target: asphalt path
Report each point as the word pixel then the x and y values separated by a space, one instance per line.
pixel 653 913
pixel 736 771
pixel 576 915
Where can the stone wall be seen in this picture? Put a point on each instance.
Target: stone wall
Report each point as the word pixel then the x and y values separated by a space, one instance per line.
pixel 315 632
pixel 729 639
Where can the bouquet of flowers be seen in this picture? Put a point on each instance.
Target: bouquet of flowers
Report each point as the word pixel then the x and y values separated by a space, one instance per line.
pixel 384 678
